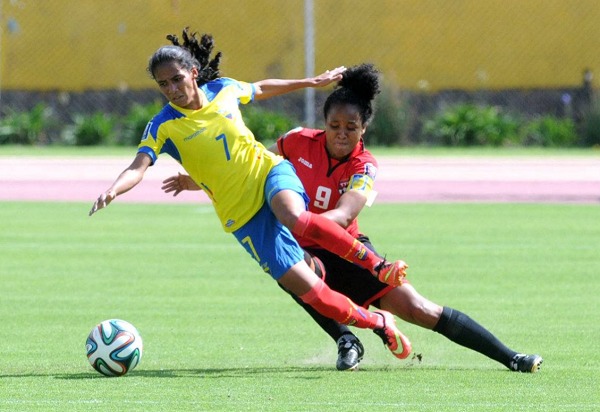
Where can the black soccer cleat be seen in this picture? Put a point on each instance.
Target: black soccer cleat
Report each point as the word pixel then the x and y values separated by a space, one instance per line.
pixel 350 353
pixel 526 363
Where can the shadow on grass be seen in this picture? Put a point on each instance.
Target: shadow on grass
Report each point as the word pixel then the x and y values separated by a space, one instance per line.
pixel 297 372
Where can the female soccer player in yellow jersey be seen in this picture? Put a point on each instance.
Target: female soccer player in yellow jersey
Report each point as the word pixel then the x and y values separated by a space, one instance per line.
pixel 256 194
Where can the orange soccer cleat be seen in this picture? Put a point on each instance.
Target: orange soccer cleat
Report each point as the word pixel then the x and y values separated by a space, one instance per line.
pixel 395 340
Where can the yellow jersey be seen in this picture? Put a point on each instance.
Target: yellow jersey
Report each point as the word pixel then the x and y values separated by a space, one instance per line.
pixel 216 149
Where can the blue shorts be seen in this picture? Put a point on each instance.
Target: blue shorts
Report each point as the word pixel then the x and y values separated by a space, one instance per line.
pixel 283 176
pixel 270 243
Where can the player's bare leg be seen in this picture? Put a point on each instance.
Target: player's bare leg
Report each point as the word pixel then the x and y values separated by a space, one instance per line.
pixel 406 303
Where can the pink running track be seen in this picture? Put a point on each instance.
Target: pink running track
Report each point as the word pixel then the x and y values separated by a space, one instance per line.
pixel 412 179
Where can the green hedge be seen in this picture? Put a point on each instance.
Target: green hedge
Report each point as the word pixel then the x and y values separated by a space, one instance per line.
pixel 267 125
pixel 457 125
pixel 473 125
pixel 26 127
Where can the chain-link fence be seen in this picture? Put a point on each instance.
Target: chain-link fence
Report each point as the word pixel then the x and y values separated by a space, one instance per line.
pixel 82 56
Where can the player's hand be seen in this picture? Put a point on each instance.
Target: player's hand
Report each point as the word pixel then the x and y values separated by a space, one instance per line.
pixel 103 200
pixel 329 77
pixel 178 184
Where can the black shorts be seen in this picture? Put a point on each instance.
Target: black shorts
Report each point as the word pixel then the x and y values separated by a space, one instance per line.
pixel 350 279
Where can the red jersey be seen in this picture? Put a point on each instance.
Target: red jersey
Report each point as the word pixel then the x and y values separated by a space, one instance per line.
pixel 325 179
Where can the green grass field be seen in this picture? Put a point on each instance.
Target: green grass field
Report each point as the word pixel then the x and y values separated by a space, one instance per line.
pixel 220 335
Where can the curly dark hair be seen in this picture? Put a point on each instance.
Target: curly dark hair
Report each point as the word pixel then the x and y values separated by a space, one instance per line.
pixel 192 53
pixel 358 87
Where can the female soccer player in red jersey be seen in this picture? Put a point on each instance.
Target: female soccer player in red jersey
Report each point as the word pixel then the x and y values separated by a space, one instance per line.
pixel 256 194
pixel 338 173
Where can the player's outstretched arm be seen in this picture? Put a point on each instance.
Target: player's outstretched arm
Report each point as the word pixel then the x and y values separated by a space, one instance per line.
pixel 178 184
pixel 127 180
pixel 274 87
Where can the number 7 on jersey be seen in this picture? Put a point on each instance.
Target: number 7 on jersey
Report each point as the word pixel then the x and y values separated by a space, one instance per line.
pixel 224 138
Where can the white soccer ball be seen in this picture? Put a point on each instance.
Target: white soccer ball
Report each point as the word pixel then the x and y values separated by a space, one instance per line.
pixel 114 347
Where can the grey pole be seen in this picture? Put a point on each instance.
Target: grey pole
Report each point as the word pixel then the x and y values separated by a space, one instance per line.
pixel 309 62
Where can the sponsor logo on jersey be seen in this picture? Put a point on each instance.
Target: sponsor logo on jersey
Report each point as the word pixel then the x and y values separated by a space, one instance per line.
pixel 190 137
pixel 229 223
pixel 305 162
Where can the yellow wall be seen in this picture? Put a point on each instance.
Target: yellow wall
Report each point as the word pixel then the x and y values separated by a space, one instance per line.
pixel 474 43
pixel 76 45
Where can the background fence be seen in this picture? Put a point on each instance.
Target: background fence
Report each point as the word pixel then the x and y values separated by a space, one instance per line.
pixel 82 56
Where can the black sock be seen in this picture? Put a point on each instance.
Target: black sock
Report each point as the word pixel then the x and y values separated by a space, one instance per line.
pixel 461 329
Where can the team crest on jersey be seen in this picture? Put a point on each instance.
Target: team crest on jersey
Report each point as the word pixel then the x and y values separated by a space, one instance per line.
pixel 146 131
pixel 226 113
pixel 370 170
pixel 343 186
